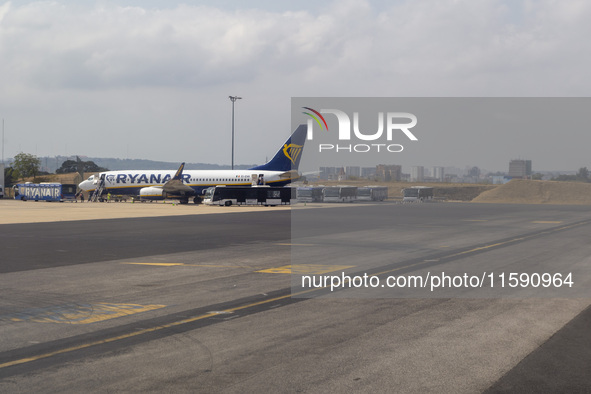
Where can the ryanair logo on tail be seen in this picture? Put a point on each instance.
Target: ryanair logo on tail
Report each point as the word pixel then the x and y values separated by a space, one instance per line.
pixel 292 152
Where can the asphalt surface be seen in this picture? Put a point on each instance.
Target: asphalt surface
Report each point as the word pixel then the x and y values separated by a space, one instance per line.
pixel 203 303
pixel 42 245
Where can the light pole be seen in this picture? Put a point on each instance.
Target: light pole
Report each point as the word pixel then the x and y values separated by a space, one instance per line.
pixel 233 98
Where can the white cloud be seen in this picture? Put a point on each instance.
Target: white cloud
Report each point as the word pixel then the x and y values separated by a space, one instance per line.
pixel 175 66
pixel 52 46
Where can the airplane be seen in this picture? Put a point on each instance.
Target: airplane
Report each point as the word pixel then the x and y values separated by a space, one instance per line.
pixel 160 184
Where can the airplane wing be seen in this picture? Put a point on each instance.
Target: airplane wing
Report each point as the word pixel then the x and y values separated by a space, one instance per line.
pixel 311 173
pixel 293 174
pixel 176 185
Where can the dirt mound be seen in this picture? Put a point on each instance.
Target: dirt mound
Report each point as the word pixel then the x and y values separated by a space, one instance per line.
pixel 460 193
pixel 538 192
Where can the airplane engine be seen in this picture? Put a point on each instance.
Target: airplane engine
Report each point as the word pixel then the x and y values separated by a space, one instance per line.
pixel 152 193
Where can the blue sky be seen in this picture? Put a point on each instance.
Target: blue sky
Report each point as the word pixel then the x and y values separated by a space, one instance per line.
pixel 151 79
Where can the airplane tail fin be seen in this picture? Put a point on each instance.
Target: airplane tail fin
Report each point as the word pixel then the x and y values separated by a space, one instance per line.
pixel 179 173
pixel 288 156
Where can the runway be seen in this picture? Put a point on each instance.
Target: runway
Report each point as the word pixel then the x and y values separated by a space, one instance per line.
pixel 203 303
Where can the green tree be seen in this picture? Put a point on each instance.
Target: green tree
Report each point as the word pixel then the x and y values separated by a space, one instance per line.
pixel 583 174
pixel 474 171
pixel 69 166
pixel 566 178
pixel 25 165
pixel 9 177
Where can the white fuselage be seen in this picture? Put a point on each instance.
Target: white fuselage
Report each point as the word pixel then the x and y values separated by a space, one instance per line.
pixel 131 182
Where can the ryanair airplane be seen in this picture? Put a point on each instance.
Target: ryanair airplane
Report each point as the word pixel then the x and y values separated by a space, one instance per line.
pixel 158 185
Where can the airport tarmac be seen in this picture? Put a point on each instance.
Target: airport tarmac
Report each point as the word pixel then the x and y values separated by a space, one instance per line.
pixel 16 211
pixel 203 303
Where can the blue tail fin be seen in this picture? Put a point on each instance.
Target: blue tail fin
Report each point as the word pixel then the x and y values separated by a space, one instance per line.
pixel 179 173
pixel 288 156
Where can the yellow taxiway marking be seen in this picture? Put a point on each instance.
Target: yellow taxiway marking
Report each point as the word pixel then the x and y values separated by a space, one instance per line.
pixel 148 330
pixel 548 221
pixel 305 269
pixel 82 313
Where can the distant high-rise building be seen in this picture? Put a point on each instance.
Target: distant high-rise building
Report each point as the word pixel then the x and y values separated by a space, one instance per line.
pixel 388 173
pixel 519 168
pixel 439 174
pixel 353 171
pixel 417 174
pixel 328 173
pixel 368 172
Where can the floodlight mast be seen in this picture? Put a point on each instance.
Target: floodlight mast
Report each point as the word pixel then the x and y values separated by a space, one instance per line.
pixel 233 98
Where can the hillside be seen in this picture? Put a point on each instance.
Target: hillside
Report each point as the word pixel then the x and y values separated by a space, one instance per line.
pixel 136 164
pixel 538 192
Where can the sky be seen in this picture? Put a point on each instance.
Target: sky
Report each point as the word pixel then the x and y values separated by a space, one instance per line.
pixel 150 79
